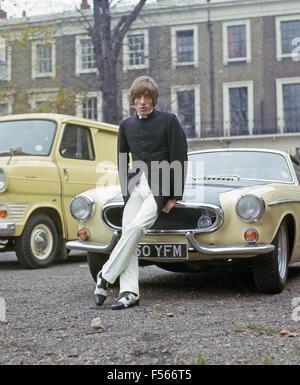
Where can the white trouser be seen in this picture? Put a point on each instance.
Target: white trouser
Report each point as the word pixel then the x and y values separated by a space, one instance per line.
pixel 139 214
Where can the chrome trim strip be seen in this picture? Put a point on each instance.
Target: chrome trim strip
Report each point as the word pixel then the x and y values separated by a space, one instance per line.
pixel 104 218
pixel 94 246
pixel 261 248
pixel 180 204
pixel 281 201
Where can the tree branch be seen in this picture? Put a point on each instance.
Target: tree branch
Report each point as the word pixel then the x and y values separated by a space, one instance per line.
pixel 123 26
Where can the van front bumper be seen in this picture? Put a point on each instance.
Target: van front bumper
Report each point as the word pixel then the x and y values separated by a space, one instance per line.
pixel 7 228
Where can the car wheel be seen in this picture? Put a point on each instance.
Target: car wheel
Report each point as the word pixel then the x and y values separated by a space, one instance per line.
pixel 270 270
pixel 95 262
pixel 38 244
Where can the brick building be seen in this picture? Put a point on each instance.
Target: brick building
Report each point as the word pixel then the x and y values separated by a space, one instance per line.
pixel 229 69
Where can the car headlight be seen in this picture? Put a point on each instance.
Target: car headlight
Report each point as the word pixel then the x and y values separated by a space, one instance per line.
pixel 81 208
pixel 3 181
pixel 250 207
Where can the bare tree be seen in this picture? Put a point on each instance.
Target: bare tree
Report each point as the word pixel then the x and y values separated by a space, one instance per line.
pixel 107 46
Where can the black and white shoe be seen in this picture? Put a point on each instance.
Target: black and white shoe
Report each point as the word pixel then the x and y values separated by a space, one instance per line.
pixel 127 299
pixel 100 293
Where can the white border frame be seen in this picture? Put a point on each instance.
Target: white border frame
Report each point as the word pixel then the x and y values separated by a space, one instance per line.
pixel 34 73
pixel 78 57
pixel 191 27
pixel 246 58
pixel 279 19
pixel 279 100
pixel 126 65
pixel 91 94
pixel 174 104
pixel 226 105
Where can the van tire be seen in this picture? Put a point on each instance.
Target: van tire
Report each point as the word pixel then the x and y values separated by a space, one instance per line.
pixel 38 245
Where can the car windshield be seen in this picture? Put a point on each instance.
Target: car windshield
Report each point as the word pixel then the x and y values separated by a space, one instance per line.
pixel 237 165
pixel 26 137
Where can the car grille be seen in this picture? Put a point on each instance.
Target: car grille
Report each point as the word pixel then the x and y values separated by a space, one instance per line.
pixel 16 211
pixel 182 218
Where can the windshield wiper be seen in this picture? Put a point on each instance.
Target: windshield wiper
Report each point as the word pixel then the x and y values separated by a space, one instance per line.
pixel 13 151
pixel 216 177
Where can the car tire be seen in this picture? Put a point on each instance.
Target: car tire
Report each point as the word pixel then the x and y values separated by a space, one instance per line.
pixel 270 270
pixel 96 262
pixel 38 245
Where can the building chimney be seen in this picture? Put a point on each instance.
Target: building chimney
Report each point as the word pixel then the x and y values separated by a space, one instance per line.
pixel 84 4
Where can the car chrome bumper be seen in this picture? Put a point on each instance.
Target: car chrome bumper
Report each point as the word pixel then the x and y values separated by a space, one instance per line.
pixel 94 247
pixel 247 249
pixel 7 228
pixel 260 248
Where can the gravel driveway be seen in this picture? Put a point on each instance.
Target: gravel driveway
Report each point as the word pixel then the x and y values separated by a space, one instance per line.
pixel 215 317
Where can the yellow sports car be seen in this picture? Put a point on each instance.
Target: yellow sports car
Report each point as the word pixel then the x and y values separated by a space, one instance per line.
pixel 238 204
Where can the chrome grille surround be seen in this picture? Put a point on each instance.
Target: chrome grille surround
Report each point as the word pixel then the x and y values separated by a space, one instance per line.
pixel 217 223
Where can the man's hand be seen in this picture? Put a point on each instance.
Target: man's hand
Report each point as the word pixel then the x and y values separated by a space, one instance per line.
pixel 168 206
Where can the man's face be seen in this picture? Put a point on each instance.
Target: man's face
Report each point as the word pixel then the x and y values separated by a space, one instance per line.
pixel 143 104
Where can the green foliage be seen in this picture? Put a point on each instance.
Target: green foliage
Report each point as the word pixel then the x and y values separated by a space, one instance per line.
pixel 200 360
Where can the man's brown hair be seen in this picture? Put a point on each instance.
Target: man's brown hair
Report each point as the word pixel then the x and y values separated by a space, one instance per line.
pixel 141 85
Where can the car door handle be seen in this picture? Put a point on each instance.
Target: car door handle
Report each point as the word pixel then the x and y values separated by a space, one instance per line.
pixel 66 173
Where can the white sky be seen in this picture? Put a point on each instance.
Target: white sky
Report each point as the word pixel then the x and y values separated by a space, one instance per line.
pixel 14 8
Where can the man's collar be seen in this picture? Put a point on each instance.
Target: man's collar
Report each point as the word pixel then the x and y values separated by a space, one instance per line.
pixel 144 117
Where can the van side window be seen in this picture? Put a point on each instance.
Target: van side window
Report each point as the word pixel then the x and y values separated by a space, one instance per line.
pixel 77 143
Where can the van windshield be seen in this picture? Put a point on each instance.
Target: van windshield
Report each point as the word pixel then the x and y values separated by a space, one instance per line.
pixel 27 137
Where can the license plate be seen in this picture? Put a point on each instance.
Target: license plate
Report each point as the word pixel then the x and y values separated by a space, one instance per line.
pixel 163 250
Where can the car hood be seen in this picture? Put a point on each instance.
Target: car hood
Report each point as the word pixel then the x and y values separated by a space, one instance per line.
pixel 208 191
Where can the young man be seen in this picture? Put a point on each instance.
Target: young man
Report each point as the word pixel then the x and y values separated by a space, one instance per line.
pixel 153 138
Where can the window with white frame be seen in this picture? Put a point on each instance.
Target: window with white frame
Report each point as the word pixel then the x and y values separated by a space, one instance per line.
pixel 43 59
pixel 184 45
pixel 90 106
pixel 85 57
pixel 288 104
pixel 41 100
pixel 5 107
pixel 236 41
pixel 238 108
pixel 185 103
pixel 136 50
pixel 287 35
pixel 5 61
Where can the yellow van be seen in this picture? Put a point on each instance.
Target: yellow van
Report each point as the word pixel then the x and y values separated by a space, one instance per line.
pixel 45 160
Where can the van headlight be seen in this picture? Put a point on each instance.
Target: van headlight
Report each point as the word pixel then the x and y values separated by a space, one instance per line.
pixel 81 208
pixel 250 207
pixel 3 180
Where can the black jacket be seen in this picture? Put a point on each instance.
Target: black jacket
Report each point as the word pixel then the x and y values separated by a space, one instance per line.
pixel 153 140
